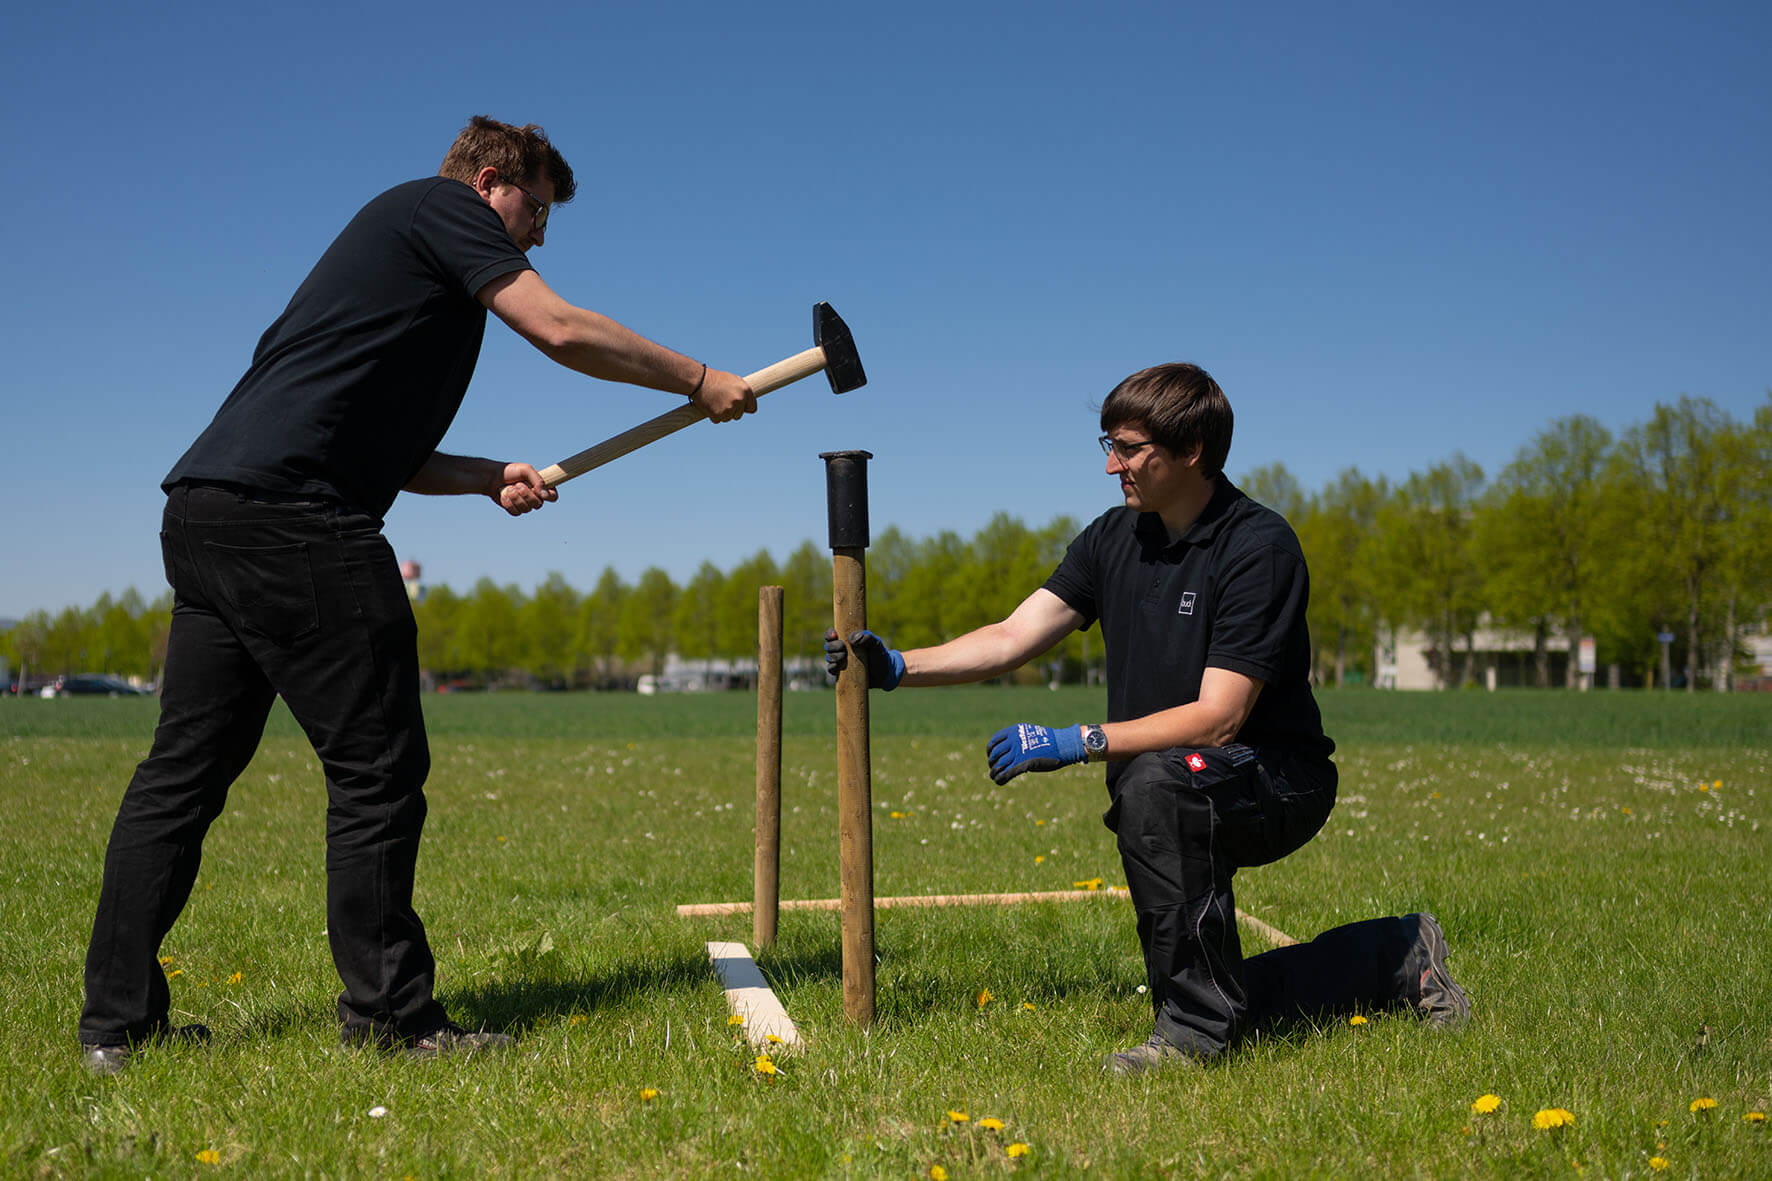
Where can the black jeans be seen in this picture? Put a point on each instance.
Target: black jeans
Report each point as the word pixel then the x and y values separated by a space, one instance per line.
pixel 303 599
pixel 1186 821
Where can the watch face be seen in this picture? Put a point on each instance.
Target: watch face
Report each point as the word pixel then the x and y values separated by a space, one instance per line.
pixel 1094 739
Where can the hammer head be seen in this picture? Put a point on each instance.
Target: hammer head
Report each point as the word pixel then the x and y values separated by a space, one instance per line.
pixel 842 364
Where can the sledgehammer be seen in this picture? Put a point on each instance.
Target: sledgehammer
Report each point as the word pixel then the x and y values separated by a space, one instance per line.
pixel 833 350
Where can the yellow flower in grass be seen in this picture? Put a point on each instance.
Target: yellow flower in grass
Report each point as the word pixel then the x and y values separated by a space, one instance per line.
pixel 1039 858
pixel 648 1094
pixel 1028 1006
pixel 764 1066
pixel 983 998
pixel 1486 1103
pixel 773 1040
pixel 175 973
pixel 1755 1117
pixel 937 1173
pixel 735 1019
pixel 1017 1149
pixel 991 1124
pixel 1658 1163
pixel 957 1117
pixel 236 978
pixel 1553 1117
pixel 1088 884
pixel 1356 1019
pixel 209 1156
pixel 1703 1103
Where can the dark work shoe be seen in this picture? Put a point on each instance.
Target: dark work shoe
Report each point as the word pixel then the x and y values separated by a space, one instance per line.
pixel 453 1039
pixel 444 1040
pixel 1430 990
pixel 1155 1053
pixel 101 1059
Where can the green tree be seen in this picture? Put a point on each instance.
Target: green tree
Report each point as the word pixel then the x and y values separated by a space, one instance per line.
pixel 1540 531
pixel 806 602
pixel 695 620
pixel 645 630
pixel 550 631
pixel 736 613
pixel 1337 534
pixel 599 624
pixel 491 630
pixel 1429 580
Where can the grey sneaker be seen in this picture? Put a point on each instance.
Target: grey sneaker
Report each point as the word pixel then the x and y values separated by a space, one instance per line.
pixel 1433 993
pixel 111 1059
pixel 1155 1053
pixel 453 1039
pixel 447 1039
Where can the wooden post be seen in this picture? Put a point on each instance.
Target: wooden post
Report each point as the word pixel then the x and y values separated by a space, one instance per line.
pixel 767 866
pixel 846 492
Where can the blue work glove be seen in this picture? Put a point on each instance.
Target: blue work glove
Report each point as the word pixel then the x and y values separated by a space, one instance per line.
pixel 1027 747
pixel 884 665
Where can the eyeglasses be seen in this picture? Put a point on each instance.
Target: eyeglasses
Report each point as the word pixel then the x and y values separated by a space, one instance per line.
pixel 1123 450
pixel 540 220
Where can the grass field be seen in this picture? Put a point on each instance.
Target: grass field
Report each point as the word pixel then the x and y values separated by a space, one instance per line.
pixel 1598 861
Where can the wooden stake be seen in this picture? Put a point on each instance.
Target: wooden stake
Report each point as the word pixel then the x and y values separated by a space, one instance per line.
pixel 766 870
pixel 855 820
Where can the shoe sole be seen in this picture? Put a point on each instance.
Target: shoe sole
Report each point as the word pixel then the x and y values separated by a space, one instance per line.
pixel 1441 977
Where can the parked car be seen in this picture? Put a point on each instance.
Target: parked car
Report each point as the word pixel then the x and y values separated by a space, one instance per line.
pixel 90 685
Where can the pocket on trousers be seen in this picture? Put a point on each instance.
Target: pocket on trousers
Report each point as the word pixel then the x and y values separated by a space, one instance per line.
pixel 270 588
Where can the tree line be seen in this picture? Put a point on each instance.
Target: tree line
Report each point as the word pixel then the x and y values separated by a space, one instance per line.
pixel 1663 529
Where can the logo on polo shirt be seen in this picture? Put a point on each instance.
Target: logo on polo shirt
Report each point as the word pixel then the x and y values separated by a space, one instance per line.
pixel 1187 603
pixel 1196 763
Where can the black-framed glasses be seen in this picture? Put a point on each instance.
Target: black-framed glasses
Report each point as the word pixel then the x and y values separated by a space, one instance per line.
pixel 540 219
pixel 1124 450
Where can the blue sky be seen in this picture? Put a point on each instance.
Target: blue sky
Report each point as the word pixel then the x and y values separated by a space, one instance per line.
pixel 1391 231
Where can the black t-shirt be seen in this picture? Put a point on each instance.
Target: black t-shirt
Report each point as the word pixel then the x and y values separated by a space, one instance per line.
pixel 353 387
pixel 1231 594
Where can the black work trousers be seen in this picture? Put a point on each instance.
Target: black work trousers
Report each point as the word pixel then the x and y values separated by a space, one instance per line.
pixel 303 599
pixel 1186 821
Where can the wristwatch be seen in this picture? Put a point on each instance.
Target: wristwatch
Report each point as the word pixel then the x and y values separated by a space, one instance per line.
pixel 1094 744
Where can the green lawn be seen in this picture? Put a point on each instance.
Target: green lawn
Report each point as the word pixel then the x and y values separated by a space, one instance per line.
pixel 1598 862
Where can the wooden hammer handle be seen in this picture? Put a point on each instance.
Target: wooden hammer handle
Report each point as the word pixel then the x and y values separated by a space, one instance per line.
pixel 761 382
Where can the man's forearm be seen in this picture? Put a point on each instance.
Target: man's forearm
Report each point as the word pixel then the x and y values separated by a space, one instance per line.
pixel 597 346
pixel 456 475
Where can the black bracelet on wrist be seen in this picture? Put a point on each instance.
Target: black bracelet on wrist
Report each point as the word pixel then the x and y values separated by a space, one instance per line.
pixel 698 381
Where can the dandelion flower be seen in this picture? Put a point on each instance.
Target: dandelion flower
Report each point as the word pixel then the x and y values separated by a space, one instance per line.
pixel 648 1094
pixel 577 1019
pixel 209 1156
pixel 1755 1117
pixel 1658 1163
pixel 165 960
pixel 1704 1103
pixel 1017 1149
pixel 236 978
pixel 175 973
pixel 983 998
pixel 1486 1104
pixel 991 1124
pixel 1089 884
pixel 764 1066
pixel 957 1117
pixel 1028 1006
pixel 772 1039
pixel 1039 858
pixel 1356 1019
pixel 1553 1117
pixel 735 1019
pixel 937 1173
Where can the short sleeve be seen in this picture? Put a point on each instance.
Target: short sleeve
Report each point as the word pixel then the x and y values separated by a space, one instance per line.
pixel 463 239
pixel 1261 596
pixel 1075 581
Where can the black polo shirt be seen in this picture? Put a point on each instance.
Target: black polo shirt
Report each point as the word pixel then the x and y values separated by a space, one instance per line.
pixel 353 387
pixel 1231 594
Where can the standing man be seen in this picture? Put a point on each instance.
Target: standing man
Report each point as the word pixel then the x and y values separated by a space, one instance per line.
pixel 283 583
pixel 1215 752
